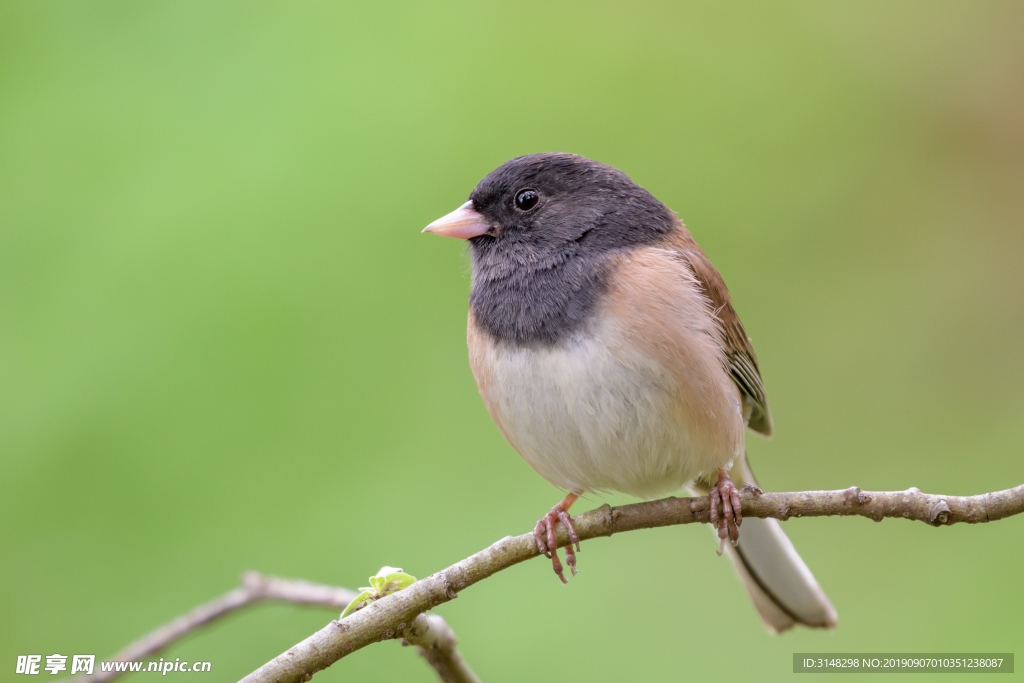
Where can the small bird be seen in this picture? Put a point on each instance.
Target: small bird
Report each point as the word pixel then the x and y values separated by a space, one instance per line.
pixel 606 348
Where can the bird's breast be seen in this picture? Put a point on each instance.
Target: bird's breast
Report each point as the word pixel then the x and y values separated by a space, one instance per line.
pixel 591 413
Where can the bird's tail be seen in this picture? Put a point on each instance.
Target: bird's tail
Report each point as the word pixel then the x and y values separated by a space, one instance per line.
pixel 783 589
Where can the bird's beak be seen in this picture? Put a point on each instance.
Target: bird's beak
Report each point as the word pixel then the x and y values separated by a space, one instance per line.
pixel 462 223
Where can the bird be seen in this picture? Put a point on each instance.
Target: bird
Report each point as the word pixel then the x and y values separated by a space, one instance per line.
pixel 606 348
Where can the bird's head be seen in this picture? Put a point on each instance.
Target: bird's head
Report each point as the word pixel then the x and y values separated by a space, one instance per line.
pixel 541 204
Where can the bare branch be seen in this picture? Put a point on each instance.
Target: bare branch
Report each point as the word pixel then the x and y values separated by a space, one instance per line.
pixel 382 619
pixel 431 633
pixel 436 642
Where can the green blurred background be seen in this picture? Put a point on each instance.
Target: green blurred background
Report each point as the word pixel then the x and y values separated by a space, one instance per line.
pixel 225 345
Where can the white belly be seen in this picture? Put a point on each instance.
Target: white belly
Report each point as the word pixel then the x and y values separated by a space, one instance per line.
pixel 588 418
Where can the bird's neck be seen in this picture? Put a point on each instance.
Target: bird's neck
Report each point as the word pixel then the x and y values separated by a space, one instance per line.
pixel 526 298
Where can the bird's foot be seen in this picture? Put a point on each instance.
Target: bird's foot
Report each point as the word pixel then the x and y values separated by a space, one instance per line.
pixel 724 492
pixel 547 539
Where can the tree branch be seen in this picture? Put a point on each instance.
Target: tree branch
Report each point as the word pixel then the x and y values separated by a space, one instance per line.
pixel 435 638
pixel 436 642
pixel 382 619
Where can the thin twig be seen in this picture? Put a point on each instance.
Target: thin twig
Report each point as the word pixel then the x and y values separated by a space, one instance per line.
pixel 431 633
pixel 380 620
pixel 436 642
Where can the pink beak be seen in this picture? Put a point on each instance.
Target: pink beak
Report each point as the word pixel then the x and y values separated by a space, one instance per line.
pixel 462 223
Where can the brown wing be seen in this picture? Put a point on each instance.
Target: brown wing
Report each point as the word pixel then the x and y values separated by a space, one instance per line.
pixel 742 359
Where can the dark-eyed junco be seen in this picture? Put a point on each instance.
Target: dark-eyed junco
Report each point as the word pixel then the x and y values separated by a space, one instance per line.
pixel 606 348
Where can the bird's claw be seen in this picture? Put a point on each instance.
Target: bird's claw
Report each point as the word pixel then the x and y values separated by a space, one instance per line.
pixel 547 540
pixel 724 493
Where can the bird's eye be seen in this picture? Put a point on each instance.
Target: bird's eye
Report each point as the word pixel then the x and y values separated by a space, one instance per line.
pixel 526 199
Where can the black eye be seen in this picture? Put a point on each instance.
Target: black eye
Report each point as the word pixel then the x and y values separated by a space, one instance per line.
pixel 526 199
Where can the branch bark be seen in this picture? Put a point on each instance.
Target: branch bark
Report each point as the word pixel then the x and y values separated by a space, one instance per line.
pixel 387 616
pixel 431 633
pixel 436 642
